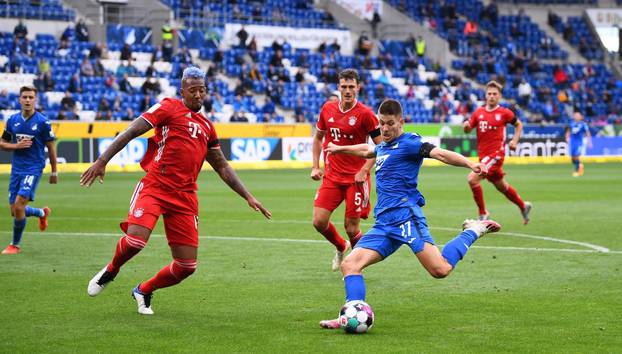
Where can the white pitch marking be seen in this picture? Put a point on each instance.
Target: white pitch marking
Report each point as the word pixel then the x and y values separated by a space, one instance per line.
pixel 271 239
pixel 535 237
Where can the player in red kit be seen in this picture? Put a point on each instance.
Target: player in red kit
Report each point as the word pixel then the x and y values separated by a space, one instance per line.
pixel 490 121
pixel 345 177
pixel 184 139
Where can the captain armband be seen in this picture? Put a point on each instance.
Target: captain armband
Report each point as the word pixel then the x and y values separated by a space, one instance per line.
pixel 425 149
pixel 7 136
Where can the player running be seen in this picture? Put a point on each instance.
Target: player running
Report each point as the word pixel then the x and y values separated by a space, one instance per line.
pixel 399 218
pixel 490 121
pixel 343 122
pixel 578 137
pixel 183 139
pixel 27 134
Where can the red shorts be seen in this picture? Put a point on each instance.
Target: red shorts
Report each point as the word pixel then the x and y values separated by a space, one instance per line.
pixel 495 167
pixel 179 211
pixel 331 194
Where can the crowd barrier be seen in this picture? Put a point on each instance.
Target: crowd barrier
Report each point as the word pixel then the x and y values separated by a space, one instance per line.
pixel 258 146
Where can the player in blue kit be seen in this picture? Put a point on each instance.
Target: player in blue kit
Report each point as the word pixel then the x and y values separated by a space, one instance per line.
pixel 578 137
pixel 27 134
pixel 399 219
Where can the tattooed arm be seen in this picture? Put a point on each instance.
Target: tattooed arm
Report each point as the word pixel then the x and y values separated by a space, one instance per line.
pixel 98 169
pixel 218 162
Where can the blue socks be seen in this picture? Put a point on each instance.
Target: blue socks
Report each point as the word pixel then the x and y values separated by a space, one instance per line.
pixel 455 249
pixel 18 230
pixel 30 211
pixel 576 164
pixel 355 287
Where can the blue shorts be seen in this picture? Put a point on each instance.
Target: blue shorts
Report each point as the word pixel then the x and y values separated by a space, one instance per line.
pixel 577 149
pixel 24 185
pixel 386 239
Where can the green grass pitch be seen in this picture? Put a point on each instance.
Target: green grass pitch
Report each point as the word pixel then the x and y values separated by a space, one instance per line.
pixel 262 286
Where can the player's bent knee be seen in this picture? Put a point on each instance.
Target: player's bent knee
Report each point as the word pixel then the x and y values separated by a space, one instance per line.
pixel 473 181
pixel 183 268
pixel 350 267
pixel 440 272
pixel 352 231
pixel 320 225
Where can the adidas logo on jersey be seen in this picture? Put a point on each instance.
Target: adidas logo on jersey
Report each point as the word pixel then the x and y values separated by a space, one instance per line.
pixel 331 120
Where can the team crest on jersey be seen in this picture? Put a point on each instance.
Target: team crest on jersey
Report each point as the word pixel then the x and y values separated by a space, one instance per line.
pixel 139 212
pixel 352 120
pixel 497 117
pixel 481 116
pixel 380 161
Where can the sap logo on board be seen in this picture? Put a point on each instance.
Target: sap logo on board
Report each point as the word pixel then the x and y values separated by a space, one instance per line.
pixel 252 149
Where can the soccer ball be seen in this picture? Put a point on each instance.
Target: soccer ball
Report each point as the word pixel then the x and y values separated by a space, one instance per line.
pixel 356 317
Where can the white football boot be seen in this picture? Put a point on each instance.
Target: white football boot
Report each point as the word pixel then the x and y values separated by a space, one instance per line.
pixel 339 256
pixel 481 227
pixel 99 282
pixel 143 301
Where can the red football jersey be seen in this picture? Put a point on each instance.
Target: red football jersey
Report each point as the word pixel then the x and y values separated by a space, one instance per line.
pixel 179 147
pixel 345 128
pixel 490 126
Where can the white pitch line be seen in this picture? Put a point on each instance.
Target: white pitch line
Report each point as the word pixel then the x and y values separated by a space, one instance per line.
pixel 545 238
pixel 535 237
pixel 271 239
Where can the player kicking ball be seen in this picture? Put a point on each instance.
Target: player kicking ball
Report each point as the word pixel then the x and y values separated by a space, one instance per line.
pixel 399 218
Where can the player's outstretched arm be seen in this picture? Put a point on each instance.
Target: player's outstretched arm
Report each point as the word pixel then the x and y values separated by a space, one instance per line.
pixel 518 131
pixel 316 171
pixel 361 175
pixel 51 145
pixel 455 159
pixel 218 162
pixel 98 169
pixel 360 150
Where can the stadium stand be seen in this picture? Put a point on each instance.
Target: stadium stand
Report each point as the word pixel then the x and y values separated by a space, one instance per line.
pixel 40 10
pixel 577 32
pixel 292 13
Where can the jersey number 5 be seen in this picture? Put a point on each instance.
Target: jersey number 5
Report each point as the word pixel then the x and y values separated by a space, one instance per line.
pixel 357 198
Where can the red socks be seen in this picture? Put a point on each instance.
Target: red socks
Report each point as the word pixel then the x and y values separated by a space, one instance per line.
pixel 170 275
pixel 127 247
pixel 478 196
pixel 513 196
pixel 333 237
pixel 355 239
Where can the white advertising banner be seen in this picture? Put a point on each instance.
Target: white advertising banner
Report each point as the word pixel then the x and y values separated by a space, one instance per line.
pixel 298 149
pixel 362 8
pixel 309 38
pixel 605 17
pixel 607 23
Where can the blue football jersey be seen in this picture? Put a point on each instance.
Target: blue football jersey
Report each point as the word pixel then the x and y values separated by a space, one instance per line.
pixel 37 128
pixel 397 173
pixel 578 130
